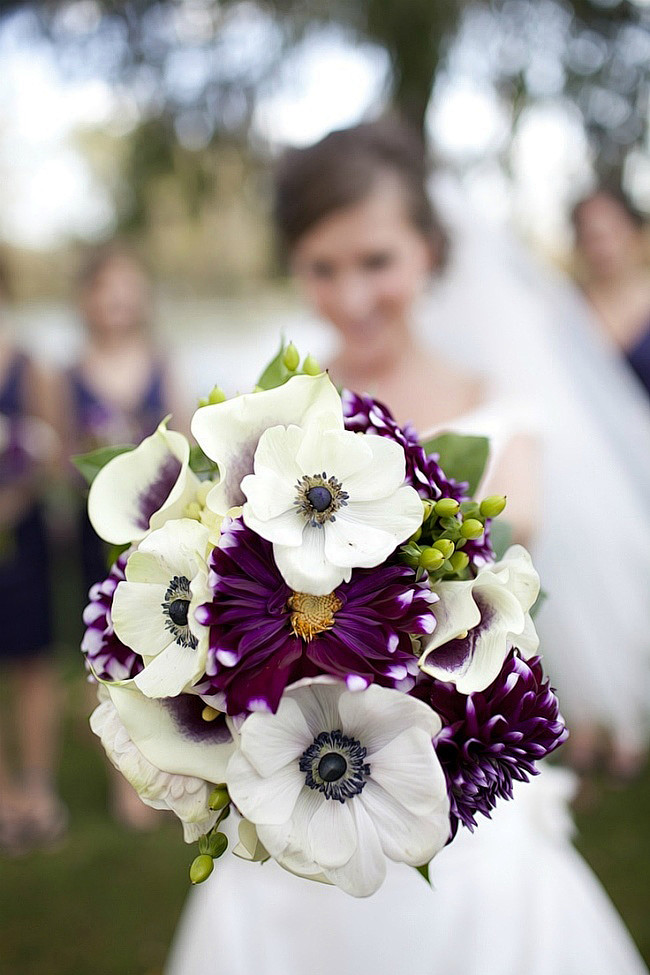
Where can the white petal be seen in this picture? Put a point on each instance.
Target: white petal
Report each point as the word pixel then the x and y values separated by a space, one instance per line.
pixel 305 568
pixel 377 715
pixel 172 671
pixel 186 796
pixel 455 612
pixel 271 741
pixel 405 837
pixel 527 641
pixel 523 579
pixel 408 769
pixel 138 617
pixel 229 432
pixel 263 800
pixel 348 541
pixel 332 833
pixel 318 699
pixel 142 488
pixel 179 548
pixel 383 475
pixel 158 731
pixel 365 871
pixel 337 453
pixel 285 529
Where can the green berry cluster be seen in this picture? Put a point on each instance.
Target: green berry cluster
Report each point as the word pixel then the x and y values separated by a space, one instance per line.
pixel 215 843
pixel 436 549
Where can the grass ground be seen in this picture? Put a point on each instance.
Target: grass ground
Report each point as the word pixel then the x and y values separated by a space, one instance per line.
pixel 106 902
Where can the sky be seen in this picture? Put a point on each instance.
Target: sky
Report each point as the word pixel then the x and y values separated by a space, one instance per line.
pixel 48 191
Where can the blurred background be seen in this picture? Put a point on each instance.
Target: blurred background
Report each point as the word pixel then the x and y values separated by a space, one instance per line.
pixel 160 122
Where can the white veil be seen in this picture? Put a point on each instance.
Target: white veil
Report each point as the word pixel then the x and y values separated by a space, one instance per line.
pixel 499 312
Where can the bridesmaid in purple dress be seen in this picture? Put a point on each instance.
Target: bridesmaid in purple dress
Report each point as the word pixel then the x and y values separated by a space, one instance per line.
pixel 613 249
pixel 119 390
pixel 31 813
pixel 117 393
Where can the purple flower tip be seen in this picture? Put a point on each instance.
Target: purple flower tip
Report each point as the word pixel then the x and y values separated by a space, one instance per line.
pixel 105 654
pixel 493 737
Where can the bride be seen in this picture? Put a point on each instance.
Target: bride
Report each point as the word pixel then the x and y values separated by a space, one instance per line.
pixel 514 897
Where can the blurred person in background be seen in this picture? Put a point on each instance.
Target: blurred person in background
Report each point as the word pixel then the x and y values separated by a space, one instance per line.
pixel 117 393
pixel 514 897
pixel 613 250
pixel 31 812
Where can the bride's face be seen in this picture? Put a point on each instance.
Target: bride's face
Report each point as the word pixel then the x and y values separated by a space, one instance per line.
pixel 362 269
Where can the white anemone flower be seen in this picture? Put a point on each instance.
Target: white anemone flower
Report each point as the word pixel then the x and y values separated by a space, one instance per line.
pixel 185 795
pixel 154 609
pixel 330 501
pixel 478 621
pixel 336 781
pixel 143 488
pixel 229 432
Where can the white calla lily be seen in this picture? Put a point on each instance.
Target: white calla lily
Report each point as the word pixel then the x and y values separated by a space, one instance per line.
pixel 173 734
pixel 154 609
pixel 143 488
pixel 478 621
pixel 229 432
pixel 185 795
pixel 336 781
pixel 329 501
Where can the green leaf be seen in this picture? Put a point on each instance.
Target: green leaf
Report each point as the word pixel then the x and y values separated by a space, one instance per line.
pixel 114 553
pixel 461 456
pixel 200 463
pixel 89 465
pixel 500 536
pixel 276 373
pixel 424 870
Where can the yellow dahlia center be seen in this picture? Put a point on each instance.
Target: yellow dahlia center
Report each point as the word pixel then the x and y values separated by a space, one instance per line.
pixel 311 615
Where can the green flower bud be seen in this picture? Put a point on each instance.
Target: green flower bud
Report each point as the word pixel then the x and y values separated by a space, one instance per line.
pixel 217 395
pixel 427 508
pixel 446 507
pixel 204 401
pixel 310 367
pixel 218 797
pixel 201 868
pixel 291 357
pixel 459 561
pixel 472 528
pixel 431 559
pixel 445 546
pixel 218 845
pixel 416 536
pixel 493 506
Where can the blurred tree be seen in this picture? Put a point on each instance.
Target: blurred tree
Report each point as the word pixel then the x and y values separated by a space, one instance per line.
pixel 189 71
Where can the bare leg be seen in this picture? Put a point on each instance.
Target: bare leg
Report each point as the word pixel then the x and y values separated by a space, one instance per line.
pixel 37 697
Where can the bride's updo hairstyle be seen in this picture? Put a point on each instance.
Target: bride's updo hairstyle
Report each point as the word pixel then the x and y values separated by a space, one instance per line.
pixel 344 168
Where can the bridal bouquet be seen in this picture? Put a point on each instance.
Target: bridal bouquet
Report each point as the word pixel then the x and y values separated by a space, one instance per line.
pixel 305 623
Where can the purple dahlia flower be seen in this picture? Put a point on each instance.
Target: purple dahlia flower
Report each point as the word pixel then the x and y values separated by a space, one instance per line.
pixel 363 414
pixel 108 657
pixel 491 738
pixel 263 635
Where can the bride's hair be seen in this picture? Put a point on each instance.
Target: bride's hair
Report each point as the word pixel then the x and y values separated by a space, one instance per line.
pixel 341 171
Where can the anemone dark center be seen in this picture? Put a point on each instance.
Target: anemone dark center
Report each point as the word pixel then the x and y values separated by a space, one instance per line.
pixel 178 611
pixel 320 498
pixel 335 765
pixel 332 767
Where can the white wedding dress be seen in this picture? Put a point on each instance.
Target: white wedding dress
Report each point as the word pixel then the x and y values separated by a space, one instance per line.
pixel 514 898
